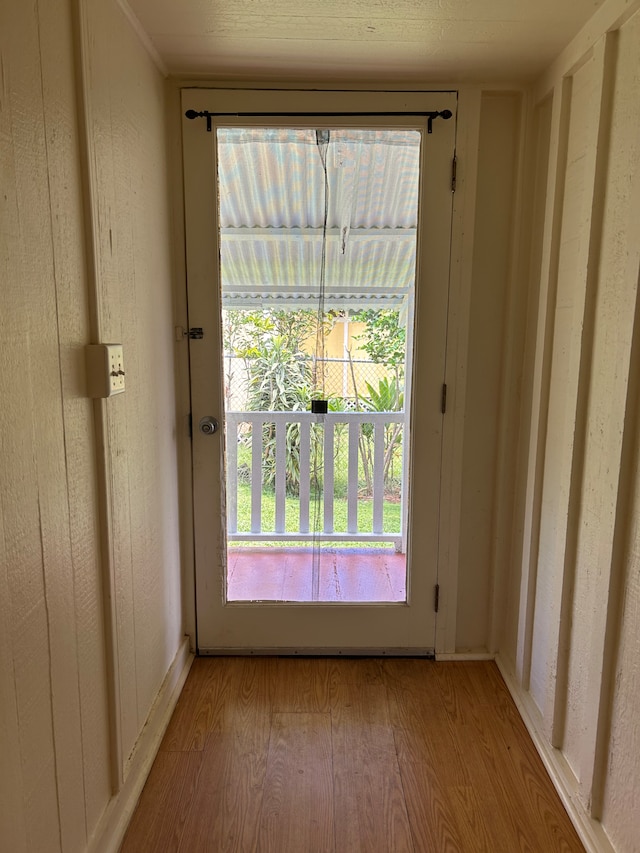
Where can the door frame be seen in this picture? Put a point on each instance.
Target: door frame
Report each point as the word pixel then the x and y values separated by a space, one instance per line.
pixel 331 102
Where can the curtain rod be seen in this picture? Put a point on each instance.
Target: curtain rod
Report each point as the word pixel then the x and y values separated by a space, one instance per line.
pixel 430 114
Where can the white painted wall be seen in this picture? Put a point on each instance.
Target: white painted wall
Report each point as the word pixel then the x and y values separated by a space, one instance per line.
pixel 569 649
pixel 491 310
pixel 127 132
pixel 58 743
pixel 569 644
pixel 53 685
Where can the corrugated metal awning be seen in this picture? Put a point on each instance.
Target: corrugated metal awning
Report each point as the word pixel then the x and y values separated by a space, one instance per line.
pixel 272 211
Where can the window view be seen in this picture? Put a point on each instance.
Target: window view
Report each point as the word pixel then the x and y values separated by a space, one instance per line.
pixel 317 237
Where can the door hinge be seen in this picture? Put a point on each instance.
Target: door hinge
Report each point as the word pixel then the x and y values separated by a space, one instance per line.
pixel 454 170
pixel 436 597
pixel 190 425
pixel 443 398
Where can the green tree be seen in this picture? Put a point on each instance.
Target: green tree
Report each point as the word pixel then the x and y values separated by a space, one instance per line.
pixel 278 377
pixel 383 338
pixel 387 397
pixel 384 341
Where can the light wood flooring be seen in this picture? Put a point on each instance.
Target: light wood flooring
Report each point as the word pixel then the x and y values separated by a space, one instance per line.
pixel 317 755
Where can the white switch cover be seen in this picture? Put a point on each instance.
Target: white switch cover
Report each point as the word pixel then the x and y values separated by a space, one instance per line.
pixel 105 370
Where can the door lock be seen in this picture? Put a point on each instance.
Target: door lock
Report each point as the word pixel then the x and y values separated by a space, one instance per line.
pixel 208 425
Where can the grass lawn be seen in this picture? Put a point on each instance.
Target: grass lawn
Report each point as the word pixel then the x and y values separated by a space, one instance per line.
pixel 391 513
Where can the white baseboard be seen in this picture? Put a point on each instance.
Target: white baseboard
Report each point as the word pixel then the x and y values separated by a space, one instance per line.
pixel 442 656
pixel 110 831
pixel 591 832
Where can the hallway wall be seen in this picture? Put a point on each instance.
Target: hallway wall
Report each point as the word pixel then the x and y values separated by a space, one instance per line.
pixel 574 609
pixel 76 696
pixel 90 602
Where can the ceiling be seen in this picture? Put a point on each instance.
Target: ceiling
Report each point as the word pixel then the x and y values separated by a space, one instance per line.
pixel 361 40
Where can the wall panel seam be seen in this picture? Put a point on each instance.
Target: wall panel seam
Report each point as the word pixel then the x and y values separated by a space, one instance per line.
pixel 65 447
pixel 56 761
pixel 82 44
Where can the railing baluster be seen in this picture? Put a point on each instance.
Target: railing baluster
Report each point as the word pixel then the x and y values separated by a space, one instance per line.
pixel 232 474
pixel 256 476
pixel 352 478
pixel 305 474
pixel 328 476
pixel 281 478
pixel 378 477
pixel 306 530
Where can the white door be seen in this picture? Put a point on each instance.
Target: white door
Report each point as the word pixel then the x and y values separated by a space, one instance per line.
pixel 251 264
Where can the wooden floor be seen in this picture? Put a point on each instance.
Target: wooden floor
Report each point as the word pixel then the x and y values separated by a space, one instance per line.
pixel 292 755
pixel 343 574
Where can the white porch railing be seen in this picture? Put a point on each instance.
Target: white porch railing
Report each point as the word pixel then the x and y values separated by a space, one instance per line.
pixel 281 420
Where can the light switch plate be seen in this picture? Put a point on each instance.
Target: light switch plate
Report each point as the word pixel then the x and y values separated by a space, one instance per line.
pixel 105 370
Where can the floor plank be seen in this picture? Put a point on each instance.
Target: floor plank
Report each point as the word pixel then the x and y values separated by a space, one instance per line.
pixel 202 706
pixel 225 811
pixel 432 821
pixel 370 811
pixel 297 809
pixel 334 755
pixel 159 819
pixel 303 684
pixel 500 806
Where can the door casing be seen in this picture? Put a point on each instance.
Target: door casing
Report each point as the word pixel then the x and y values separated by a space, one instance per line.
pixel 394 627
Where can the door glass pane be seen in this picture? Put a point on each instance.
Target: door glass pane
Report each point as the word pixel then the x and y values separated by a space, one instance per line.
pixel 317 255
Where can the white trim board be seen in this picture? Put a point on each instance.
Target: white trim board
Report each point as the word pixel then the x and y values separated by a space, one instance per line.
pixel 110 831
pixel 463 656
pixel 456 364
pixel 144 37
pixel 591 831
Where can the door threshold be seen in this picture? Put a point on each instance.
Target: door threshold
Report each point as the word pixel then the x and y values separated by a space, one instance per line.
pixel 280 651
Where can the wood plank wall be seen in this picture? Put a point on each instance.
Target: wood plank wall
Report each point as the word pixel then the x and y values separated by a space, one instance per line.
pixel 574 608
pixel 56 779
pixel 52 687
pixel 576 555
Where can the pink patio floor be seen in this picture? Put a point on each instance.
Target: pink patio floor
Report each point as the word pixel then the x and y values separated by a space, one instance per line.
pixel 338 574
